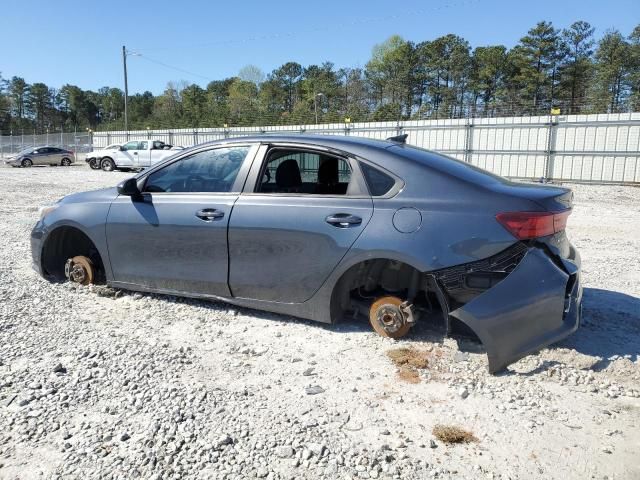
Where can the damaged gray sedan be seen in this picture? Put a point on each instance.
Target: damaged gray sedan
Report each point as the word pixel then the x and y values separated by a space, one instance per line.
pixel 328 228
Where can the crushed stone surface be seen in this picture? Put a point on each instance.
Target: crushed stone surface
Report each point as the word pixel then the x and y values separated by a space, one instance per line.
pixel 96 383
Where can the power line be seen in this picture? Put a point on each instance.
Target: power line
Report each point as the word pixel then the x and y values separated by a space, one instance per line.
pixel 166 65
pixel 328 27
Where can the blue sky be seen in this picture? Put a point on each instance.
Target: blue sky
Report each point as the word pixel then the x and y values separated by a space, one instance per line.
pixel 80 42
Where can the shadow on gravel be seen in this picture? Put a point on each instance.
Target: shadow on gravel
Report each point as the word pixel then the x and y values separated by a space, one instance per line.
pixel 610 327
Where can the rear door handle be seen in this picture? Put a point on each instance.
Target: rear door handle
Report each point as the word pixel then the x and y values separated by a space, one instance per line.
pixel 343 220
pixel 209 214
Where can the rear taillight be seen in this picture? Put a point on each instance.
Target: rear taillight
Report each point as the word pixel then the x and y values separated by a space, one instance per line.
pixel 526 225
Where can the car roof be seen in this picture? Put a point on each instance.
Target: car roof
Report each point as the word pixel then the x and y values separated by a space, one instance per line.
pixel 336 141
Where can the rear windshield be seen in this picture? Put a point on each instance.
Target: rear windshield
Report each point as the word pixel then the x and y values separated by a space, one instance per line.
pixel 447 164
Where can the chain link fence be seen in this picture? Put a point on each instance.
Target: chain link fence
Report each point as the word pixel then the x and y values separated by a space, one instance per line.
pixel 79 143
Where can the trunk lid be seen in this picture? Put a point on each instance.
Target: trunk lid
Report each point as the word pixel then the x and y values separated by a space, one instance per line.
pixel 551 198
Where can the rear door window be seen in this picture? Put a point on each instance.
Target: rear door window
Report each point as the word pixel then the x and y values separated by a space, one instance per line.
pixel 306 172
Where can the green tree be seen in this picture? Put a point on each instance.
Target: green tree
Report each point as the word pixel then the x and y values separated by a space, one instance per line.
pixel 287 78
pixel 488 67
pixel 353 95
pixel 218 102
pixel 577 68
pixel 141 110
pixel 391 73
pixel 18 91
pixel 193 106
pixel 322 84
pixel 5 108
pixel 243 103
pixel 612 68
pixel 442 76
pixel 634 73
pixel 540 52
pixel 39 103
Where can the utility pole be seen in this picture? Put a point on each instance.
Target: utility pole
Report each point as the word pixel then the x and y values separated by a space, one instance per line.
pixel 126 91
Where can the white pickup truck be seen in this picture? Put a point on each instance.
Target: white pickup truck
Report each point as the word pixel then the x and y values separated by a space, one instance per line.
pixel 136 154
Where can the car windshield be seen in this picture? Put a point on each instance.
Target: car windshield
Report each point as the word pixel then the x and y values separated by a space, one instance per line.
pixel 26 150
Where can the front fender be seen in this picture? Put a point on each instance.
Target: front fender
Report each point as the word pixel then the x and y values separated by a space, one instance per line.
pixel 88 217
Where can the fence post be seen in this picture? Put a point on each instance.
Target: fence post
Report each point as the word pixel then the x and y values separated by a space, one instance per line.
pixel 170 137
pixel 468 141
pixel 195 136
pixel 551 146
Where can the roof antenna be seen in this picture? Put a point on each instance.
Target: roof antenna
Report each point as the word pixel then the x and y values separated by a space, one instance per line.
pixel 399 138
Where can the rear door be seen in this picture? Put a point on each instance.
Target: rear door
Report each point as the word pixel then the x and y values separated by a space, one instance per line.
pixel 299 214
pixel 55 155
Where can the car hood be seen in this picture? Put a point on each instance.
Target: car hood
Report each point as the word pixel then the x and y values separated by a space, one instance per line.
pixel 92 196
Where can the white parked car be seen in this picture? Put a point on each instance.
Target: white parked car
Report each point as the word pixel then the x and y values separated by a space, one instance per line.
pixel 93 158
pixel 136 154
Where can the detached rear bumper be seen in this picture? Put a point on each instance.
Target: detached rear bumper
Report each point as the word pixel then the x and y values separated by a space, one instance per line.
pixel 538 303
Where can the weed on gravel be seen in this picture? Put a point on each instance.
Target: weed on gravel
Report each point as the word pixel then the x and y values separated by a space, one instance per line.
pixel 453 434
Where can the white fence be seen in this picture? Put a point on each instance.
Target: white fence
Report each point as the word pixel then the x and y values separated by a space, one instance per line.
pixel 77 142
pixel 603 148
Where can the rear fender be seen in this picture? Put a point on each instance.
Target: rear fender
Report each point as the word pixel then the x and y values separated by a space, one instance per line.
pixel 524 312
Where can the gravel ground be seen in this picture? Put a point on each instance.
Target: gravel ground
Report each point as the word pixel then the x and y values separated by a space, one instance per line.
pixel 98 384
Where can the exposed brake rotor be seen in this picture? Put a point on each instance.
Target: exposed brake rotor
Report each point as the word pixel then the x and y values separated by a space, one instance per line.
pixel 391 317
pixel 80 270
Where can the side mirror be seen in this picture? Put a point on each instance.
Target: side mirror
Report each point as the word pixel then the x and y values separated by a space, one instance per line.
pixel 129 188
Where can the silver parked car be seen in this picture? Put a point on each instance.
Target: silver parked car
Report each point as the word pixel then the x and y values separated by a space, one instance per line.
pixel 332 228
pixel 42 156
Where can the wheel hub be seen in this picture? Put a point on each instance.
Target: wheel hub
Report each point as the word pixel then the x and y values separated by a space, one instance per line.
pixel 79 269
pixel 391 317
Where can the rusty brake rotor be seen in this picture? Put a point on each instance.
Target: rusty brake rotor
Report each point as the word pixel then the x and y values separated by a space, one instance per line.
pixel 391 317
pixel 80 270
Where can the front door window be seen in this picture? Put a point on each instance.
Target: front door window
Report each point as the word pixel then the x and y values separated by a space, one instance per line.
pixel 209 171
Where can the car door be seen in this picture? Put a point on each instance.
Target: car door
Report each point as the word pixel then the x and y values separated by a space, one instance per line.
pixel 173 237
pixel 128 154
pixel 54 156
pixel 294 222
pixel 39 156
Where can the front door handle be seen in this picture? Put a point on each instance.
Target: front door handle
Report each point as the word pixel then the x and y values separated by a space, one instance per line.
pixel 343 220
pixel 209 214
